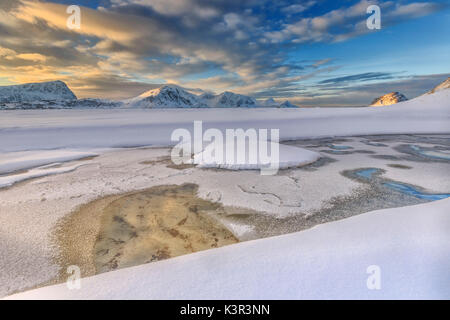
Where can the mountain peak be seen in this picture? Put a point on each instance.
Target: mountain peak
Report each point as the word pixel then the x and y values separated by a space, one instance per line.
pixel 443 85
pixel 40 91
pixel 270 102
pixel 287 104
pixel 229 99
pixel 388 99
pixel 168 96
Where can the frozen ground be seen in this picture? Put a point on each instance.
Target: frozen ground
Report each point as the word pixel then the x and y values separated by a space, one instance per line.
pixel 341 184
pixel 292 200
pixel 408 246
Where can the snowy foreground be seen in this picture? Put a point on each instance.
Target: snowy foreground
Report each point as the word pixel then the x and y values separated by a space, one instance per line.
pixel 410 245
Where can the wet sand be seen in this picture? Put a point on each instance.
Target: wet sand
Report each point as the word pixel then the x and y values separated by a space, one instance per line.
pixel 139 227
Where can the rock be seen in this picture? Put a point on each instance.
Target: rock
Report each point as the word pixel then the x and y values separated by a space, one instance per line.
pixel 388 99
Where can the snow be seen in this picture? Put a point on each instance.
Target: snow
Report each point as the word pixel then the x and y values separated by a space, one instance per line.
pixel 54 129
pixel 288 157
pixel 287 104
pixel 169 96
pixel 9 180
pixel 232 100
pixel 173 96
pixel 15 161
pixel 37 206
pixel 388 99
pixel 43 163
pixel 444 85
pixel 270 102
pixel 327 263
pixel 409 245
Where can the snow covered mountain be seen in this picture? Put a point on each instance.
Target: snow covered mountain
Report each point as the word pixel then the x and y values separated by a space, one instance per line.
pixel 232 100
pixel 444 85
pixel 168 96
pixel 32 92
pixel 172 96
pixel 269 103
pixel 56 95
pixel 287 104
pixel 388 99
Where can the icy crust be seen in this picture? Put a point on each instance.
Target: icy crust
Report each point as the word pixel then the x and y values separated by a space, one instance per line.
pixel 28 159
pixel 20 166
pixel 407 247
pixel 9 180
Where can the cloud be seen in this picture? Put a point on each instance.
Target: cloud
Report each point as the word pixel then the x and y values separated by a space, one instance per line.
pixel 344 23
pixel 359 77
pixel 297 7
pixel 220 45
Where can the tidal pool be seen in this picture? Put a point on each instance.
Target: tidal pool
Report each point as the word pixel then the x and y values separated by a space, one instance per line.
pixel 141 227
pixel 432 153
pixel 339 147
pixel 407 189
pixel 368 174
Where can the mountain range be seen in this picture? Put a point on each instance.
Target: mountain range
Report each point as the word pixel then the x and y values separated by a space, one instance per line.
pixel 57 95
pixel 173 96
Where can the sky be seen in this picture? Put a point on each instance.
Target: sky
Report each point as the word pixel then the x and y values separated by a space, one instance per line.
pixel 313 53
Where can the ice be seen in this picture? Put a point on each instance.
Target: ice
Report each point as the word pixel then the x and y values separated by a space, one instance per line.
pixel 15 161
pixel 9 180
